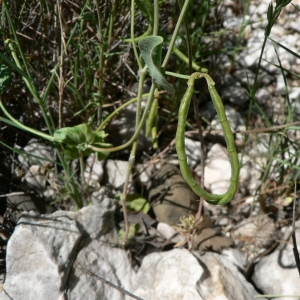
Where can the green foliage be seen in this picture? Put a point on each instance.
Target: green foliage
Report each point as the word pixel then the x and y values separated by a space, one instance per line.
pixel 151 49
pixel 87 75
pixel 133 229
pixel 136 203
pixel 4 77
pixel 79 140
pixel 273 13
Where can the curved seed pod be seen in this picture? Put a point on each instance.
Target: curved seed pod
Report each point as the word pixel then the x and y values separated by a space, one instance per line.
pixel 180 146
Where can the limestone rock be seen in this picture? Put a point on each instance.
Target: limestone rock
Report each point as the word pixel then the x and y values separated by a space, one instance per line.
pixel 40 154
pixel 222 280
pixel 112 264
pixel 42 249
pixel 116 172
pixel 170 275
pixel 277 273
pixel 39 256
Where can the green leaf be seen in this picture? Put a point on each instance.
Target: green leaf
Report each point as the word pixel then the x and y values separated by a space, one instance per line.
pixel 136 203
pixel 151 49
pixel 4 77
pixel 78 140
pixel 285 48
pixel 71 153
pixel 270 13
pixel 77 135
pixel 14 66
pixel 134 228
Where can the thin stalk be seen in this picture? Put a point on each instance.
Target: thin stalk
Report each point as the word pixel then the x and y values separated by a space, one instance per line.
pixel 142 74
pixel 61 82
pixel 81 162
pixel 132 35
pixel 111 21
pixel 141 124
pixel 187 77
pixel 175 33
pixel 156 17
pixel 51 79
pixel 32 89
pixel 117 111
pixel 24 127
pixel 101 60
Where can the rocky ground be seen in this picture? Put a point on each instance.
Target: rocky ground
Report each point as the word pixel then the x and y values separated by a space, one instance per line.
pixel 237 251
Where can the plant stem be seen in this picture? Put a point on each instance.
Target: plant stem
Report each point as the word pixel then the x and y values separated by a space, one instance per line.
pixel 175 33
pixel 132 35
pixel 117 111
pixel 142 74
pixel 156 17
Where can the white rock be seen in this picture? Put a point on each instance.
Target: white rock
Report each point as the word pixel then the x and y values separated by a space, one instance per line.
pixel 295 25
pixel 112 264
pixel 294 93
pixel 39 256
pixel 250 56
pixel 41 152
pixel 235 256
pixel 262 8
pixel 41 264
pixel 193 151
pixel 262 95
pixel 93 172
pixel 271 278
pixel 42 250
pixel 169 275
pixel 277 31
pixel 250 174
pixel 98 220
pixel 179 274
pixel 116 171
pixel 223 280
pixel 168 232
pixel 36 178
pixel 145 172
pixel 233 23
pixel 217 170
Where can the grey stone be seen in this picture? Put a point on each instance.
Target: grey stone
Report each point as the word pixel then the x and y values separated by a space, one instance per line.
pixel 222 279
pixel 209 276
pixel 235 94
pixel 271 278
pixel 36 178
pixel 116 172
pixel 97 221
pixel 42 250
pixel 93 172
pixel 41 154
pixel 165 276
pixel 112 264
pixel 39 256
pixel 193 151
